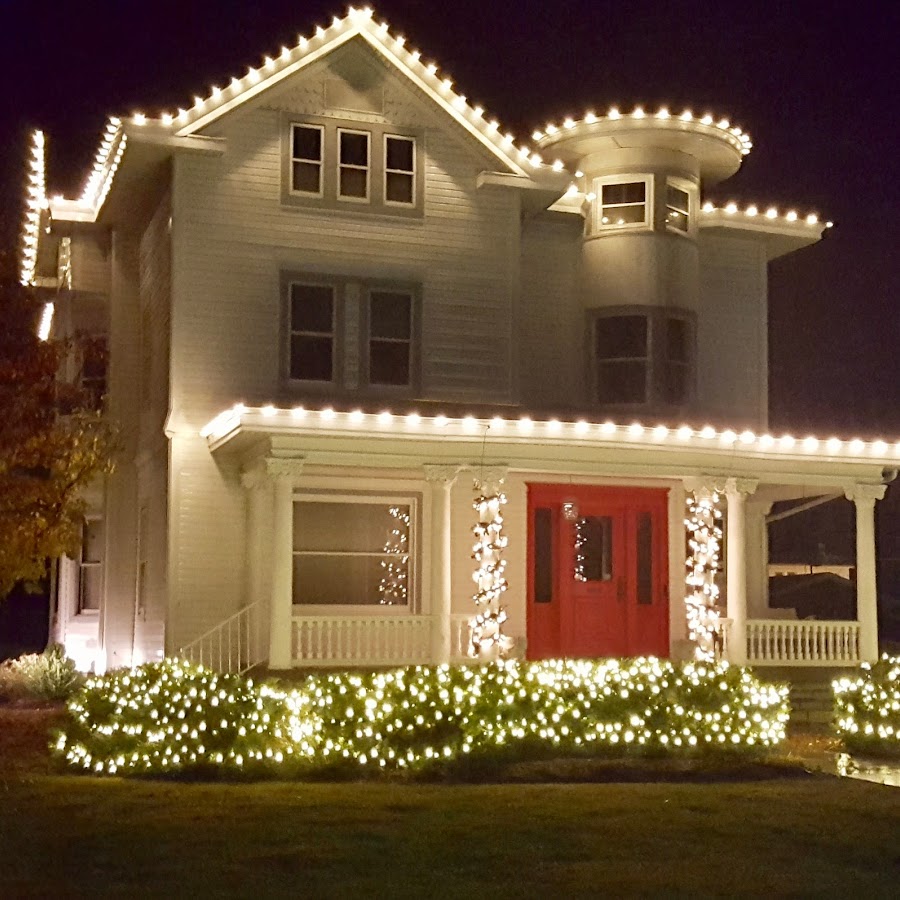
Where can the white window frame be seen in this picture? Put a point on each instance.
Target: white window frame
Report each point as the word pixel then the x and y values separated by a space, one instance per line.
pixel 366 168
pixel 80 609
pixel 366 609
pixel 412 173
pixel 597 213
pixel 320 162
pixel 691 190
pixel 336 299
pixel 369 339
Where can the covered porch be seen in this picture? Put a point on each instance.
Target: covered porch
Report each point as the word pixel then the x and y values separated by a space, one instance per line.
pixel 435 465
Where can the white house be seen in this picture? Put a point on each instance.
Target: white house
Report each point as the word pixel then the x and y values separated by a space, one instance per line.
pixel 342 302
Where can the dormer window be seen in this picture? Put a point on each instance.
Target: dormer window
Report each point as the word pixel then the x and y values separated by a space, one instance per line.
pixel 678 208
pixel 623 203
pixel 353 164
pixel 399 170
pixel 307 149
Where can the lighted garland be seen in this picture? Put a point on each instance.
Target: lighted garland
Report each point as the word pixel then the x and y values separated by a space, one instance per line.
pixel 393 585
pixel 580 541
pixel 867 707
pixel 704 543
pixel 172 717
pixel 486 637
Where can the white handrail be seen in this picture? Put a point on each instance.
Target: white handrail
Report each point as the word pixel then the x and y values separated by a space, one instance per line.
pixel 232 646
pixel 804 642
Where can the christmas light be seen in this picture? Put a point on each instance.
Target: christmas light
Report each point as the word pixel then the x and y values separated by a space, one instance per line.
pixel 393 589
pixel 867 707
pixel 704 543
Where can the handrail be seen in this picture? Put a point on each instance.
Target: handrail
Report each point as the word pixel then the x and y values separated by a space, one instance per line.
pixel 231 646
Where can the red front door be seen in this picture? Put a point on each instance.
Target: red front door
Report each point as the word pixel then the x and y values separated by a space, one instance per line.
pixel 598 576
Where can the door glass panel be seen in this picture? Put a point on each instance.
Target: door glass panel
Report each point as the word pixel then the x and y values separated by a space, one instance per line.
pixel 543 555
pixel 593 548
pixel 645 559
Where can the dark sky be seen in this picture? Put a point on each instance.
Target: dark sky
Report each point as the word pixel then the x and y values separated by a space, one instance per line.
pixel 816 85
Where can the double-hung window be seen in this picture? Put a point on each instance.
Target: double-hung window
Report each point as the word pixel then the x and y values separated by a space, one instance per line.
pixel 90 568
pixel 356 550
pixel 354 151
pixel 313 326
pixel 399 170
pixel 622 354
pixel 678 208
pixel 307 159
pixel 623 203
pixel 390 337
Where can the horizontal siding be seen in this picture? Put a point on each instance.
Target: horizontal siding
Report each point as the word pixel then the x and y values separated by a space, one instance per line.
pixel 731 331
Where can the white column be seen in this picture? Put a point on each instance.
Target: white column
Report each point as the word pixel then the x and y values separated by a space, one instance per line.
pixel 259 498
pixel 737 490
pixel 864 497
pixel 441 479
pixel 283 473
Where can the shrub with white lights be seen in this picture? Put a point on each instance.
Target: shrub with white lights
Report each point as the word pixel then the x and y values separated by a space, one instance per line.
pixel 172 717
pixel 867 707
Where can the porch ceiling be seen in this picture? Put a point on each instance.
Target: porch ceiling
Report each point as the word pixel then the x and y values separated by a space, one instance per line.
pixel 355 438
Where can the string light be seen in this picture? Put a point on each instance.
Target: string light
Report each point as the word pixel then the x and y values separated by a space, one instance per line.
pixel 704 543
pixel 867 706
pixel 393 589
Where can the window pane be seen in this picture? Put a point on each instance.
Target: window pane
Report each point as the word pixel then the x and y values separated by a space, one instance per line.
pixel 645 559
pixel 389 315
pixel 354 149
pixel 675 387
pixel 593 548
pixel 622 382
pixel 622 215
pixel 90 587
pixel 400 154
pixel 632 192
pixel 677 198
pixel 618 337
pixel 389 362
pixel 347 580
pixel 92 541
pixel 351 527
pixel 306 177
pixel 311 358
pixel 307 142
pixel 677 220
pixel 543 555
pixel 354 183
pixel 677 347
pixel 398 188
pixel 312 308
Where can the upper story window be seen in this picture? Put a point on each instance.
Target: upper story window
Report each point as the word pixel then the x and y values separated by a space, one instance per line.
pixel 643 357
pixel 307 159
pixel 623 202
pixel 363 167
pixel 351 334
pixel 678 207
pixel 353 164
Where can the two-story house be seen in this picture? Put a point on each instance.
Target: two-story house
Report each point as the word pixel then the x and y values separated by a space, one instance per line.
pixel 342 304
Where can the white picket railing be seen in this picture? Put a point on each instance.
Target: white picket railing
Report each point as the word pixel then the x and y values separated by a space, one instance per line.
pixel 459 637
pixel 232 646
pixel 806 642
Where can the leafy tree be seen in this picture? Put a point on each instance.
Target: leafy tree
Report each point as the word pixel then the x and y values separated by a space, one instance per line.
pixel 52 442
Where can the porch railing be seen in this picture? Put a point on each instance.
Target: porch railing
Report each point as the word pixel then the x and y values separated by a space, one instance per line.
pixel 232 646
pixel 806 642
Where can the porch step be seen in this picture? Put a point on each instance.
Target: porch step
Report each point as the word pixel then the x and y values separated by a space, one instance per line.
pixel 812 704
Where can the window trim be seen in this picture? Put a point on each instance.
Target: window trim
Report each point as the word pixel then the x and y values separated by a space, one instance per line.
pixel 294 159
pixel 340 166
pixel 388 171
pixel 692 192
pixel 80 609
pixel 337 326
pixel 656 359
pixel 597 227
pixel 369 287
pixel 399 498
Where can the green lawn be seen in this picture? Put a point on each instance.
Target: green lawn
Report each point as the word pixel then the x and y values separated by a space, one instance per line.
pixel 74 836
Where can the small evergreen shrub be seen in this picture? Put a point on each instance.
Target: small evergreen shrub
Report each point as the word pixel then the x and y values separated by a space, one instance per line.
pixel 40 676
pixel 174 717
pixel 867 707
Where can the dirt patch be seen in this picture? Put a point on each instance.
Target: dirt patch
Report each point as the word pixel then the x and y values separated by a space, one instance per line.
pixel 25 731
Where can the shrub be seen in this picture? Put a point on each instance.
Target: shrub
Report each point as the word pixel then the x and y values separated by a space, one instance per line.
pixel 173 717
pixel 40 676
pixel 867 707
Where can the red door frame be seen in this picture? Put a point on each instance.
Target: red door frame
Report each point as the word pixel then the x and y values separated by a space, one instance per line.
pixel 597 619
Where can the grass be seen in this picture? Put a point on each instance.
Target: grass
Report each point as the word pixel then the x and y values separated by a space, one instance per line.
pixel 72 836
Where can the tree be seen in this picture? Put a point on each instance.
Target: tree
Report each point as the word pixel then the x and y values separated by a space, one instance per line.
pixel 52 443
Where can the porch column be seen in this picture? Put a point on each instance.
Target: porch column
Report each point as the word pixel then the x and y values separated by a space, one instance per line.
pixel 737 490
pixel 864 497
pixel 441 480
pixel 281 608
pixel 259 500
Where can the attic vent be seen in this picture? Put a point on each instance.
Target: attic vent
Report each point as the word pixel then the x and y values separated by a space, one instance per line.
pixel 340 95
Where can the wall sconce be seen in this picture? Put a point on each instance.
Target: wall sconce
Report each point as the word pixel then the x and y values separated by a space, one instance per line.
pixel 570 510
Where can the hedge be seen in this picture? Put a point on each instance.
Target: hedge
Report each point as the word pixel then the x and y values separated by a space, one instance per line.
pixel 867 707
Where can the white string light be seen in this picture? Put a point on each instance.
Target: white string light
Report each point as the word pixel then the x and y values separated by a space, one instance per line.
pixel 701 597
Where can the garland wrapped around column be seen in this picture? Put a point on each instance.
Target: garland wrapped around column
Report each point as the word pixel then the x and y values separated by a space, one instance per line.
pixel 704 543
pixel 486 637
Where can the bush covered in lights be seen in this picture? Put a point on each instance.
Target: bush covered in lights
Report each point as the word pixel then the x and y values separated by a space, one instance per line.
pixel 173 717
pixel 867 707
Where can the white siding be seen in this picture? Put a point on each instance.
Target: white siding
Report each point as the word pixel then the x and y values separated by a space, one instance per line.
pixel 732 343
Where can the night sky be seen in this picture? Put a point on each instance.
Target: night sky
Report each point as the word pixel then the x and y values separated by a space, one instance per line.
pixel 816 85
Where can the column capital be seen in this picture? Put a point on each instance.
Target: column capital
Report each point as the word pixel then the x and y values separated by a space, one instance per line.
pixel 277 467
pixel 704 485
pixel 741 487
pixel 865 494
pixel 489 478
pixel 442 474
